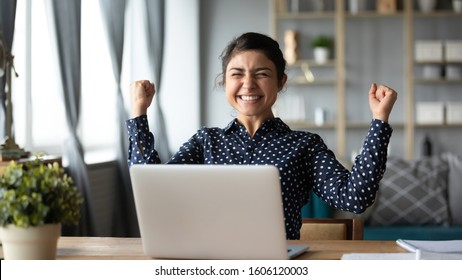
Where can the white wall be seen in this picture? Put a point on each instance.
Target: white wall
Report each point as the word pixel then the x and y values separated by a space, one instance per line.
pixel 221 20
pixel 181 80
pixel 198 31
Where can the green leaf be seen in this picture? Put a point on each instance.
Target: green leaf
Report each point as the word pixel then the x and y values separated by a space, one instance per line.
pixel 36 193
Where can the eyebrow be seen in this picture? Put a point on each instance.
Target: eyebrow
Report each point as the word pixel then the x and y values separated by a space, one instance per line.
pixel 256 70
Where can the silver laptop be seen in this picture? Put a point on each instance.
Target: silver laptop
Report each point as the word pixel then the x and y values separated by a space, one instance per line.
pixel 211 212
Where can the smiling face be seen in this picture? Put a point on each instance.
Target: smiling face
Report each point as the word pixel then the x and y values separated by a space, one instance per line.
pixel 252 85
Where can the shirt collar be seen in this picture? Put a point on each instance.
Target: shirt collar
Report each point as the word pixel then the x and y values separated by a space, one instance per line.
pixel 271 124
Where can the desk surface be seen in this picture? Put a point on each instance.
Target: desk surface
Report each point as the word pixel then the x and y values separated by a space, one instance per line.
pixel 131 249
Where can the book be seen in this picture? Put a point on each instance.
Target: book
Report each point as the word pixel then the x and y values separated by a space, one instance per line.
pixel 435 246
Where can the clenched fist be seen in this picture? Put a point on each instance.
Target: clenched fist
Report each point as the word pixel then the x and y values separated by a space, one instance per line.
pixel 381 101
pixel 141 93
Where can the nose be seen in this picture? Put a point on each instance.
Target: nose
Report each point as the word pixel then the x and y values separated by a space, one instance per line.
pixel 249 82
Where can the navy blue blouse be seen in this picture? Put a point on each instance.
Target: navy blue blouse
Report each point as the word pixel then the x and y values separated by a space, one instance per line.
pixel 304 161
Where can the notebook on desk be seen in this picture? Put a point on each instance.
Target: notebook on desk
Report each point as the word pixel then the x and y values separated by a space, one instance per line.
pixel 211 212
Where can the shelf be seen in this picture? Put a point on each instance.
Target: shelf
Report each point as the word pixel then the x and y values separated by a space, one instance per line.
pixel 309 125
pixel 308 77
pixel 437 14
pixel 362 125
pixel 312 63
pixel 422 63
pixel 437 81
pixel 302 81
pixel 373 15
pixel 446 125
pixel 305 15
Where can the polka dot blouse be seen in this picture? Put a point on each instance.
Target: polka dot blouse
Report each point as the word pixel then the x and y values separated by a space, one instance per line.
pixel 304 161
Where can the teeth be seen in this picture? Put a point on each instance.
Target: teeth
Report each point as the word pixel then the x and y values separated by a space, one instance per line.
pixel 249 97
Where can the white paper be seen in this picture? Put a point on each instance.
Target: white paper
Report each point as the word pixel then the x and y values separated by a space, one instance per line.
pixel 402 256
pixel 379 256
pixel 436 246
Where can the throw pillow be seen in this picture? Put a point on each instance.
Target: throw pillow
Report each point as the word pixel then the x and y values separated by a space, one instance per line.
pixel 412 193
pixel 455 188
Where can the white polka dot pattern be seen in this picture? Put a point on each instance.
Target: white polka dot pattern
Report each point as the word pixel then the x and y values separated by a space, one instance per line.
pixel 304 161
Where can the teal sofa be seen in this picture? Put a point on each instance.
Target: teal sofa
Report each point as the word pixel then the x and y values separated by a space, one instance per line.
pixel 319 209
pixel 413 232
pixel 418 199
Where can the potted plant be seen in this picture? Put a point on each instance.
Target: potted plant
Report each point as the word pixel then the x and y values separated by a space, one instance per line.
pixel 321 46
pixel 35 200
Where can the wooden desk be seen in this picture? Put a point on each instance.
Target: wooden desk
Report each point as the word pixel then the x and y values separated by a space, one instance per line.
pixel 90 248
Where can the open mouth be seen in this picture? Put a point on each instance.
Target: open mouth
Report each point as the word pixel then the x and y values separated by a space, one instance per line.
pixel 249 97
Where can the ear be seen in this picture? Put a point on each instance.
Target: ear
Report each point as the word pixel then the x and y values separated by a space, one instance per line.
pixel 282 82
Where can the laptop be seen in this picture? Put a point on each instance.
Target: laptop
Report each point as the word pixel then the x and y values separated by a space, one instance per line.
pixel 211 212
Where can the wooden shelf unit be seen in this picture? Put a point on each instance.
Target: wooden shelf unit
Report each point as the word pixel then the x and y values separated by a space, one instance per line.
pixel 339 17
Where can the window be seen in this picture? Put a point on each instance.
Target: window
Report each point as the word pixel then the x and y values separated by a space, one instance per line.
pixel 98 112
pixel 39 112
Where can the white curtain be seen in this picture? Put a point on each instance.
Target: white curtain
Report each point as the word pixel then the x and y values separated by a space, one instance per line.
pixel 155 15
pixel 125 220
pixel 65 20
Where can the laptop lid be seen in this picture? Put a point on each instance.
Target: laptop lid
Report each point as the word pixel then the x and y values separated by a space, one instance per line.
pixel 210 211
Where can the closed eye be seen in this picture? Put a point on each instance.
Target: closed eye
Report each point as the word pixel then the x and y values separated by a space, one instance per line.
pixel 235 72
pixel 262 74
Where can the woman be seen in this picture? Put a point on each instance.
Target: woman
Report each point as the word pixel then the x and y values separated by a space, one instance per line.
pixel 253 73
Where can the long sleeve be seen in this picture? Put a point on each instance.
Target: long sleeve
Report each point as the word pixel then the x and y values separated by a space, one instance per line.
pixel 354 190
pixel 141 142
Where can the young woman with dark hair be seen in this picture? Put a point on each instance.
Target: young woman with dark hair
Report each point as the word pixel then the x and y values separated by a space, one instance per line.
pixel 253 74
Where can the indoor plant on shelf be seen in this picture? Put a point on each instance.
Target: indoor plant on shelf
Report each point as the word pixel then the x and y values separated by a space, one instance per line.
pixel 35 200
pixel 321 47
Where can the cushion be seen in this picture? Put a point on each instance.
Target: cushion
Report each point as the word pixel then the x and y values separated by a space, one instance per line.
pixel 413 193
pixel 455 188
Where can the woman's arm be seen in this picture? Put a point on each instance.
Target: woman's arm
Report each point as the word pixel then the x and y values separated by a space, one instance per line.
pixel 354 190
pixel 141 142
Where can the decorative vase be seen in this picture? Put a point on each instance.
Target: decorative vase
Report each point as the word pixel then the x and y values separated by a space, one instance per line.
pixel 321 55
pixel 320 5
pixel 31 243
pixel 356 6
pixel 291 46
pixel 427 6
pixel 457 6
